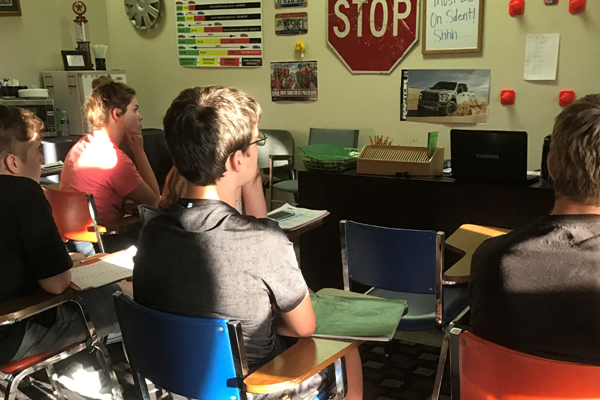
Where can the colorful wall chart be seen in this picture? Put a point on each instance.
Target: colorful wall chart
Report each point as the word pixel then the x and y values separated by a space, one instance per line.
pixel 219 33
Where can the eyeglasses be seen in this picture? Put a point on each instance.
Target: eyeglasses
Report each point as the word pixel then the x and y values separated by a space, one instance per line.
pixel 262 138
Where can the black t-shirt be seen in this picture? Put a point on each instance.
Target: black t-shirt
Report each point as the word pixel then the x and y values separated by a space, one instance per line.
pixel 30 249
pixel 537 289
pixel 204 259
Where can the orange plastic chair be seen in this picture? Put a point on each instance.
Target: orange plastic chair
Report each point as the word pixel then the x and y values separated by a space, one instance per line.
pixel 75 215
pixel 487 370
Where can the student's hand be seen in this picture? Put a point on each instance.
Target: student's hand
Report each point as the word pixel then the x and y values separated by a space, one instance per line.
pixel 135 141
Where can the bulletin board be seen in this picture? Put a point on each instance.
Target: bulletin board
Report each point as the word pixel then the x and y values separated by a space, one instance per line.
pixel 452 26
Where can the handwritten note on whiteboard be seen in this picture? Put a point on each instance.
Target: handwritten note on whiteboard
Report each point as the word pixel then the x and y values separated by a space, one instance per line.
pixel 541 57
pixel 452 25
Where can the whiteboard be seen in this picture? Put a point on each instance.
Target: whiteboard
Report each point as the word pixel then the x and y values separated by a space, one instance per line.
pixel 452 26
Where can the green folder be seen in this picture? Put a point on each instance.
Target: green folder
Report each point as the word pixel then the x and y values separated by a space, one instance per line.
pixel 345 315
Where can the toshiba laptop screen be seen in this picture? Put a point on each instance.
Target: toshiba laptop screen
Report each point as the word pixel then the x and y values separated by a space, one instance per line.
pixel 489 156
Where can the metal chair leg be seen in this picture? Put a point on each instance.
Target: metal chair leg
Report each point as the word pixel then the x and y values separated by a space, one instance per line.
pixel 12 383
pixel 53 378
pixel 104 359
pixel 437 385
pixel 340 379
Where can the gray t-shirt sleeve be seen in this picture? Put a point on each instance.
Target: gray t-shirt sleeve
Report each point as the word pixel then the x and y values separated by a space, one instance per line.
pixel 282 276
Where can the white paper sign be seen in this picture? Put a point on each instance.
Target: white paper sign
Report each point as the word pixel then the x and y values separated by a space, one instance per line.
pixel 452 25
pixel 541 57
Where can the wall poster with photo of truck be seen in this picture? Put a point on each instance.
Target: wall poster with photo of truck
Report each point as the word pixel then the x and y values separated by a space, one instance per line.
pixel 458 96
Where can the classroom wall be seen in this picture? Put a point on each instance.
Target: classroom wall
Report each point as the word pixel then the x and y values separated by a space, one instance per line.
pixel 31 43
pixel 367 102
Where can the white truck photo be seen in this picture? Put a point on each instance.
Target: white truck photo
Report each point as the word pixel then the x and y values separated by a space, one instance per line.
pixel 444 98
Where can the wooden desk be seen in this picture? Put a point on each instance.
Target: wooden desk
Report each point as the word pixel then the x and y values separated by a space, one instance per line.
pixel 16 310
pixel 428 204
pixel 467 239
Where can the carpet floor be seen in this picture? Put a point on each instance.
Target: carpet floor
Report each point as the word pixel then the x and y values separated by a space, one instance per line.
pixel 395 370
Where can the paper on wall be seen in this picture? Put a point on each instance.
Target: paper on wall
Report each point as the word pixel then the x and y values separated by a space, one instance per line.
pixel 541 57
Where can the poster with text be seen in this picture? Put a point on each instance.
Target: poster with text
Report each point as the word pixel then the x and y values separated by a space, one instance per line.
pixel 290 3
pixel 294 81
pixel 459 96
pixel 219 33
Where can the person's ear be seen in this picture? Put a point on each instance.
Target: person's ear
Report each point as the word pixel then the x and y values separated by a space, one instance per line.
pixel 12 164
pixel 236 161
pixel 115 114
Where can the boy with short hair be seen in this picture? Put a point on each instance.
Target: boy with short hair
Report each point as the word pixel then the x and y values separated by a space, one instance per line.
pixel 537 288
pixel 32 251
pixel 203 258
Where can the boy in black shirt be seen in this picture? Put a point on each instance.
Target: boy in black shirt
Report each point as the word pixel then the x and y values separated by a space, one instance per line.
pixel 32 252
pixel 537 288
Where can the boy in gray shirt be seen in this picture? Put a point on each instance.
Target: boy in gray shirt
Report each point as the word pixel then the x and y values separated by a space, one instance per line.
pixel 203 258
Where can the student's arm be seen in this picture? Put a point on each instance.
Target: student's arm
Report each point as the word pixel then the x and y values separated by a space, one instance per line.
pixel 254 199
pixel 143 194
pixel 43 252
pixel 57 283
pixel 147 192
pixel 300 322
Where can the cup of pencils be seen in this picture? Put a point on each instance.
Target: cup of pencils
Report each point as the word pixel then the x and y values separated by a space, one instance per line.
pixel 380 141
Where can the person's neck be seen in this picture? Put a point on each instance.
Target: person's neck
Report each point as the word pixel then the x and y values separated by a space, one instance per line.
pixel 221 191
pixel 113 134
pixel 566 206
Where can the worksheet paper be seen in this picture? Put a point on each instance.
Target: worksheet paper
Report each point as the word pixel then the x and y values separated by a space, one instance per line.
pixel 301 217
pixel 112 269
pixel 541 57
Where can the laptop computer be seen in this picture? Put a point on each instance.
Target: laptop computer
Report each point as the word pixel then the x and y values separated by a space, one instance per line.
pixel 489 156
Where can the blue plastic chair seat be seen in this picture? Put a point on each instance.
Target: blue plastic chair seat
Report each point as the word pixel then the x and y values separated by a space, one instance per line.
pixel 287 186
pixel 421 307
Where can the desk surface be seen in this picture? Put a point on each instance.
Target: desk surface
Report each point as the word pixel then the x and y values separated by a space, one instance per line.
pixel 466 240
pixel 17 309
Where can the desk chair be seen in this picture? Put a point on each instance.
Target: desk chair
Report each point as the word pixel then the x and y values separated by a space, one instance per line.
pixel 402 264
pixel 17 310
pixel 155 147
pixel 205 358
pixel 481 369
pixel 276 158
pixel 345 137
pixel 75 215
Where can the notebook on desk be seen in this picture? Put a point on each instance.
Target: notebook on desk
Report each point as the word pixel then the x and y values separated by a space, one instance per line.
pixel 490 157
pixel 110 269
pixel 347 315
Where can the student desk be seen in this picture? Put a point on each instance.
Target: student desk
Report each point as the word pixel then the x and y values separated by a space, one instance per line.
pixel 465 241
pixel 440 204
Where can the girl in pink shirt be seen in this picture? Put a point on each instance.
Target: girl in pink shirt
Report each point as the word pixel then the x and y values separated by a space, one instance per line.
pixel 96 165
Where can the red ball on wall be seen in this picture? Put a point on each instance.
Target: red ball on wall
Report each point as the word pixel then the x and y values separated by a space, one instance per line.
pixel 516 7
pixel 566 97
pixel 507 97
pixel 576 6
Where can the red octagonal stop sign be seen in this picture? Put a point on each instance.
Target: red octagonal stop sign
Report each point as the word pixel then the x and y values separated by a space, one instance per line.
pixel 372 36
